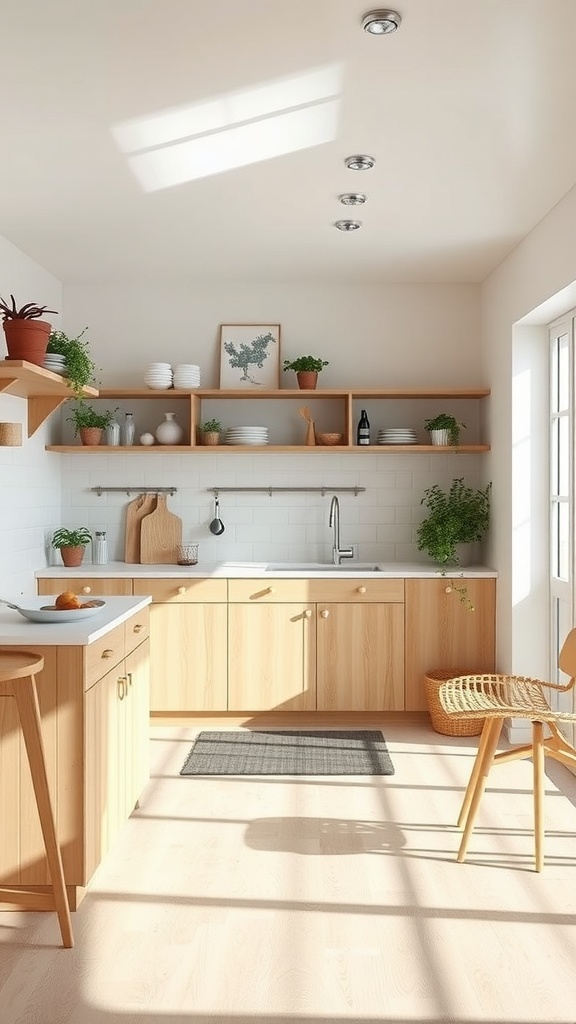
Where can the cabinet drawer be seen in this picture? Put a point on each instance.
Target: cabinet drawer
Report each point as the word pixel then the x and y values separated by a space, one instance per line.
pixel 136 629
pixel 95 587
pixel 103 654
pixel 187 591
pixel 354 590
pixel 269 591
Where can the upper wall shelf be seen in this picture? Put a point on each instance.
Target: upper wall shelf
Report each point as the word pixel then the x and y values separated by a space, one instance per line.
pixel 44 390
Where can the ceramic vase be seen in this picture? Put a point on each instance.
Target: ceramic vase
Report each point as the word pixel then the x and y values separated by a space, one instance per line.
pixel 169 432
pixel 440 437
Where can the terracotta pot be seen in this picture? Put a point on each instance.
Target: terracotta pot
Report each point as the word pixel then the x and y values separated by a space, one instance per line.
pixel 211 437
pixel 27 339
pixel 307 380
pixel 72 556
pixel 90 435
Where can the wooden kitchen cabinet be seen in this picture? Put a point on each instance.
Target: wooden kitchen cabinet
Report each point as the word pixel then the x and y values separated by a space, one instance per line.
pixel 86 585
pixel 94 704
pixel 272 657
pixel 441 631
pixel 188 643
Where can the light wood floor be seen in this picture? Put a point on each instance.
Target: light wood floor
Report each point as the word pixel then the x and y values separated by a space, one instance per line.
pixel 300 901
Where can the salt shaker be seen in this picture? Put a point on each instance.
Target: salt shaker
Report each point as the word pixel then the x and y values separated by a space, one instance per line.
pixel 128 432
pixel 100 548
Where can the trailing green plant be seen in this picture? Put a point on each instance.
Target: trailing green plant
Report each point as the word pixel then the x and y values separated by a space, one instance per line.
pixel 310 364
pixel 444 421
pixel 78 538
pixel 460 515
pixel 80 368
pixel 212 427
pixel 29 311
pixel 84 415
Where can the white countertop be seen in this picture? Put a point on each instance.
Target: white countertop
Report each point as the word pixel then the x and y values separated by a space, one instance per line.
pixel 16 630
pixel 257 570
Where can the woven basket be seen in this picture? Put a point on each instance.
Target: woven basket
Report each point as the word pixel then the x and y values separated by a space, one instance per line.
pixel 448 725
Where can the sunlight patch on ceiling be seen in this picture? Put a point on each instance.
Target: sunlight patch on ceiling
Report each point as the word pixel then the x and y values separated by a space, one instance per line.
pixel 234 130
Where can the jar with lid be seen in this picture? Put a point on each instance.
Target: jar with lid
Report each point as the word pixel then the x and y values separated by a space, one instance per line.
pixel 100 548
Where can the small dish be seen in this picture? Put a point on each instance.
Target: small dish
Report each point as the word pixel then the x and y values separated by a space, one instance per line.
pixel 48 613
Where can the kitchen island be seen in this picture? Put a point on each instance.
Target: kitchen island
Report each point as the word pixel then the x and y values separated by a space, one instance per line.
pixel 94 702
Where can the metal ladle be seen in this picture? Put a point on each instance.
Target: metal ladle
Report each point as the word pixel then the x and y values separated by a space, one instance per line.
pixel 216 526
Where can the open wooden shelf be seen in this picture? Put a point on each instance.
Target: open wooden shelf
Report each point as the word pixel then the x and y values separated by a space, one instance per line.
pixel 44 391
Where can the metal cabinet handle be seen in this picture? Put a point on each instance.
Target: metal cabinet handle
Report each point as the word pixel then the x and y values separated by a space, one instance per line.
pixel 121 687
pixel 108 653
pixel 361 590
pixel 181 590
pixel 138 627
pixel 324 613
pixel 129 678
pixel 307 614
pixel 86 590
pixel 447 590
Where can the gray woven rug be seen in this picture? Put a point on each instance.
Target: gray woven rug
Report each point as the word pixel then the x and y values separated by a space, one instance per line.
pixel 289 752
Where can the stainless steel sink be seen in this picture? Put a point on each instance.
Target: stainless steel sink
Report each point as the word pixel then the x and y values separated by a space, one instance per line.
pixel 353 567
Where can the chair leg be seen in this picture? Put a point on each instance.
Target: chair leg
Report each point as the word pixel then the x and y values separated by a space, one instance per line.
pixel 538 765
pixel 493 735
pixel 486 730
pixel 27 701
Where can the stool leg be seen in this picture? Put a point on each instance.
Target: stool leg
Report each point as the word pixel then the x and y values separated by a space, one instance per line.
pixel 538 764
pixel 27 701
pixel 482 775
pixel 486 730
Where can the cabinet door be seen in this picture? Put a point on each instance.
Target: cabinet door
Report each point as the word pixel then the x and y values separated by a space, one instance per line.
pixel 188 657
pixel 96 587
pixel 104 794
pixel 360 657
pixel 137 768
pixel 441 631
pixel 272 658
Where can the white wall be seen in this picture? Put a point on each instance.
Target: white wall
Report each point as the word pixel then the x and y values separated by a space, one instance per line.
pixel 543 265
pixel 29 476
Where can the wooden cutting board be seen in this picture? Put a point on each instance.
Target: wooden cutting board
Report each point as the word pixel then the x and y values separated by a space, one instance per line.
pixel 135 512
pixel 160 534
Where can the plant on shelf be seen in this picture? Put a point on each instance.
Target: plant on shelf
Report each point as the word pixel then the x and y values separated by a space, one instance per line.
pixel 71 543
pixel 80 369
pixel 89 423
pixel 460 515
pixel 26 333
pixel 306 369
pixel 211 431
pixel 444 422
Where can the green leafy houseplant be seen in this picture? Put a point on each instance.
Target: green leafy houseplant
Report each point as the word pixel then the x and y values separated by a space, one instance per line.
pixel 305 364
pixel 80 368
pixel 212 427
pixel 77 538
pixel 446 422
pixel 84 415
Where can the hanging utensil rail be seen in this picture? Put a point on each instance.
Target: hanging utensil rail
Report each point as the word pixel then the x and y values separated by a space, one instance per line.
pixel 308 490
pixel 136 490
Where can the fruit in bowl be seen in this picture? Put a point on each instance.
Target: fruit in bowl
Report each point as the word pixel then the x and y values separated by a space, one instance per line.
pixel 67 600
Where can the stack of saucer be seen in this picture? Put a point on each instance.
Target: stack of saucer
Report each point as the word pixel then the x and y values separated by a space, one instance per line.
pixel 158 376
pixel 186 375
pixel 247 435
pixel 397 435
pixel 56 363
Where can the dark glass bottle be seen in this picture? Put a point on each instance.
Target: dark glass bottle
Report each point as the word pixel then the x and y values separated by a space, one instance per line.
pixel 363 433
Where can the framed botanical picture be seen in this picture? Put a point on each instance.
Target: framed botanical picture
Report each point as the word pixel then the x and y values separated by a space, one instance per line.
pixel 250 356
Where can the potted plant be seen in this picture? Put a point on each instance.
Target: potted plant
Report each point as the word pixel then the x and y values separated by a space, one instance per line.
pixel 71 544
pixel 306 369
pixel 26 333
pixel 460 515
pixel 211 432
pixel 444 429
pixel 89 423
pixel 79 367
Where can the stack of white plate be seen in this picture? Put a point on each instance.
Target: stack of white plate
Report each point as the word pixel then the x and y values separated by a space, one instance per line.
pixel 397 435
pixel 56 363
pixel 158 376
pixel 247 435
pixel 187 376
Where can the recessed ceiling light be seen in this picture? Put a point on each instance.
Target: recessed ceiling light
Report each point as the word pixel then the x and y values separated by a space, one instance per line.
pixel 381 23
pixel 352 198
pixel 360 162
pixel 348 225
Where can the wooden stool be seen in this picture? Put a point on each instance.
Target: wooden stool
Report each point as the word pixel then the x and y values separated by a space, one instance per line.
pixel 17 670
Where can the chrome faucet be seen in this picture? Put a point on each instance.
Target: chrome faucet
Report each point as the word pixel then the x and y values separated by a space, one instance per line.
pixel 334 522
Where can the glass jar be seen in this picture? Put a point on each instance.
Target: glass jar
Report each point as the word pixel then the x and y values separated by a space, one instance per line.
pixel 100 548
pixel 128 432
pixel 113 433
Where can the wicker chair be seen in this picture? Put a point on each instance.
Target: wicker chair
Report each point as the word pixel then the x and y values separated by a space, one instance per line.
pixel 495 698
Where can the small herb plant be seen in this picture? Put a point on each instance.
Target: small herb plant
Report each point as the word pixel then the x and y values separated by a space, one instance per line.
pixel 78 362
pixel 84 415
pixel 29 311
pixel 311 364
pixel 446 422
pixel 212 427
pixel 78 538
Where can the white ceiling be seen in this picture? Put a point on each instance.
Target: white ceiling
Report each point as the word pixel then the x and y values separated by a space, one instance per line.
pixel 468 110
